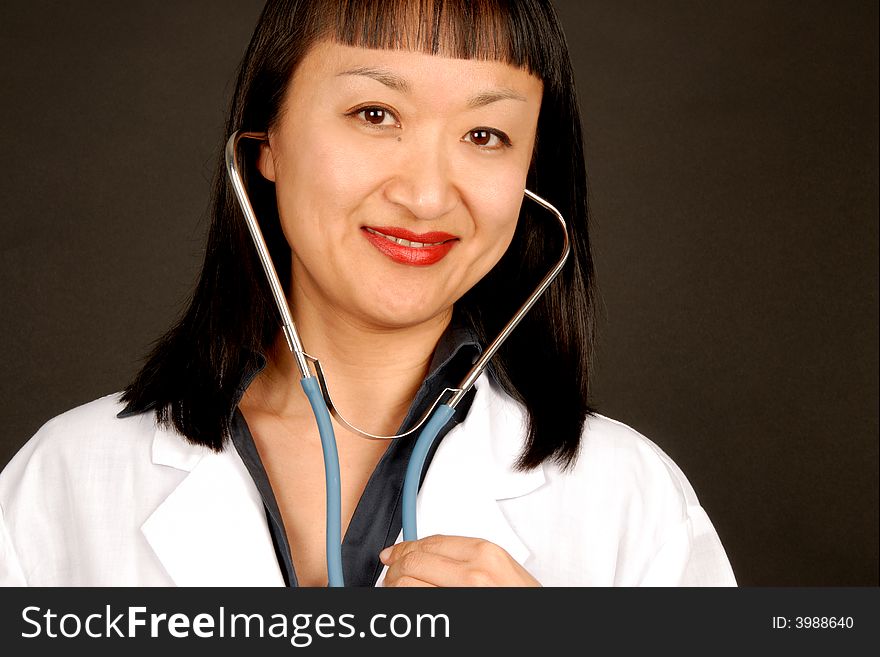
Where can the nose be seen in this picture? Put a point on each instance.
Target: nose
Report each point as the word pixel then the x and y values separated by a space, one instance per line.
pixel 422 182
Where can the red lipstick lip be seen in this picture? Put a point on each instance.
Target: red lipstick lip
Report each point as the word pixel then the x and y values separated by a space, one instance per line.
pixel 418 256
pixel 404 234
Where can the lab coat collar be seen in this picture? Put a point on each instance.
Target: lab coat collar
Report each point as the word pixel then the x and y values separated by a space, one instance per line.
pixel 171 449
pixel 212 531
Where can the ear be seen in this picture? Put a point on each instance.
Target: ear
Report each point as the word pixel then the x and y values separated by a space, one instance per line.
pixel 266 161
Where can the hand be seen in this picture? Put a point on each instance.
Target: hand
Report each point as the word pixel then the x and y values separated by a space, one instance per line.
pixel 452 561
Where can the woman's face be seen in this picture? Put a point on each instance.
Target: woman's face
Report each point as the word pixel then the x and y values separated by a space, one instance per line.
pixel 399 178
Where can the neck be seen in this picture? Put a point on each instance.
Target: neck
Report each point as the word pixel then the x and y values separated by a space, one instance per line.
pixel 372 373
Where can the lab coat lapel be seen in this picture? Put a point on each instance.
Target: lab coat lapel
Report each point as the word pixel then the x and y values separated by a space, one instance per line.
pixel 211 530
pixel 471 472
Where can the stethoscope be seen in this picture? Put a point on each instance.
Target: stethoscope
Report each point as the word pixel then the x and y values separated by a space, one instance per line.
pixel 314 384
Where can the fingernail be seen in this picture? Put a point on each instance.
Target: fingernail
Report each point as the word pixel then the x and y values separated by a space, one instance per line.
pixel 384 554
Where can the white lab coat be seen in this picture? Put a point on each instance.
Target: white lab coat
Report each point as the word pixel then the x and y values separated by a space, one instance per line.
pixel 96 500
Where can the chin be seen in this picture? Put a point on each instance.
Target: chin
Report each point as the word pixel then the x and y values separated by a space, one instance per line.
pixel 401 312
pixel 397 302
pixel 400 318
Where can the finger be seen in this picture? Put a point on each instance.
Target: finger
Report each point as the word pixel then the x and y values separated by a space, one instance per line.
pixel 460 548
pixel 429 567
pixel 406 581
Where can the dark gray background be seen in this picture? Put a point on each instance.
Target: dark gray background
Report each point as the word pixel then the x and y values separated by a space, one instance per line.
pixel 732 151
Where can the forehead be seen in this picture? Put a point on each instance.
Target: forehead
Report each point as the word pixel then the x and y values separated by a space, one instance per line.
pixel 331 64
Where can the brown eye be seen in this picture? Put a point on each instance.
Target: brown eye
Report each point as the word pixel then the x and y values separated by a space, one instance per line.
pixel 488 139
pixel 481 137
pixel 374 115
pixel 377 116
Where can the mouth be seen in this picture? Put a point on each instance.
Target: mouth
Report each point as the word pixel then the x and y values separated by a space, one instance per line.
pixel 409 248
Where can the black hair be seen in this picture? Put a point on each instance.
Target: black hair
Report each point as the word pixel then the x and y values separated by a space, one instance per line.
pixel 192 376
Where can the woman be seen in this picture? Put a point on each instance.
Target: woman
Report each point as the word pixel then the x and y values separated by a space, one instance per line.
pixel 390 191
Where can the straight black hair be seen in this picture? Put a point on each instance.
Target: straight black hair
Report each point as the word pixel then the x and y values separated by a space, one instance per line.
pixel 191 378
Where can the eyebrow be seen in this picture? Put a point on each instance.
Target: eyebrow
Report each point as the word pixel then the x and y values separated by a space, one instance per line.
pixel 382 75
pixel 398 83
pixel 486 97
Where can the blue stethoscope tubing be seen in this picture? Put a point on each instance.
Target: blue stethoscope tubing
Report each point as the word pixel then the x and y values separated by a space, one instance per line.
pixel 332 480
pixel 315 389
pixel 439 419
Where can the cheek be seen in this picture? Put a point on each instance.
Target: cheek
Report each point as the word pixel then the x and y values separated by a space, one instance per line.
pixel 319 186
pixel 497 206
pixel 341 173
pixel 321 177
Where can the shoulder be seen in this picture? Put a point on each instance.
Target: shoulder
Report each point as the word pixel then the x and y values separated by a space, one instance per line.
pixel 623 514
pixel 614 460
pixel 87 439
pixel 647 487
pixel 89 418
pixel 618 472
pixel 626 474
pixel 632 459
pixel 74 498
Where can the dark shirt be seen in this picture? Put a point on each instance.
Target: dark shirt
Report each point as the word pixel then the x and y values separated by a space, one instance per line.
pixel 376 521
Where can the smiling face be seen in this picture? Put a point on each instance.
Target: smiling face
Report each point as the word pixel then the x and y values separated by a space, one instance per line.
pixel 399 178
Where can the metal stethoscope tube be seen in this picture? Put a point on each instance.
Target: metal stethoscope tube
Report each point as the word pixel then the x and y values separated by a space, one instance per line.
pixel 315 386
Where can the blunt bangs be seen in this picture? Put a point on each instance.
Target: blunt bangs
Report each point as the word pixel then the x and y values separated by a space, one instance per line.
pixel 461 29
